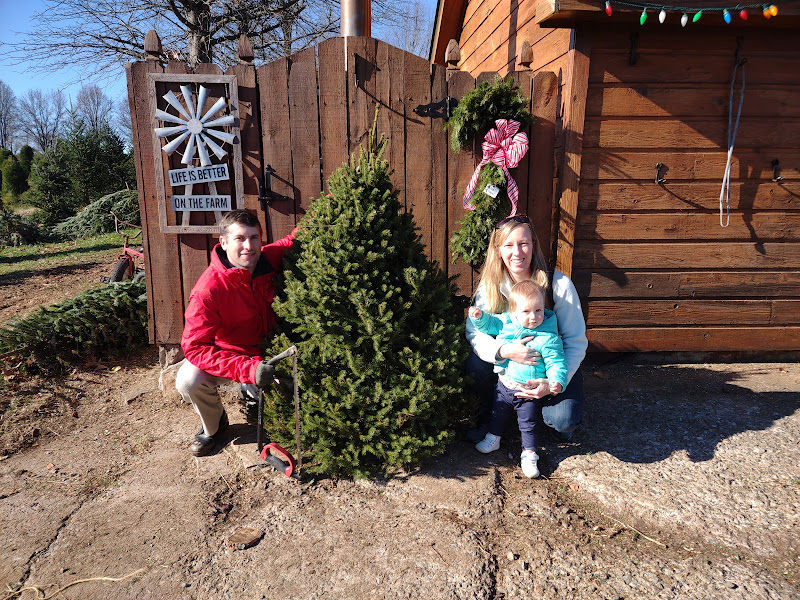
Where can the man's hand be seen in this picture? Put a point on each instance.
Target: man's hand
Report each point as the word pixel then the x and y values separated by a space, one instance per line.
pixel 265 373
pixel 475 312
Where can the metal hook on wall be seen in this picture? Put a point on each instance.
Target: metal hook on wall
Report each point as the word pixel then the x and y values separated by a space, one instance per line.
pixel 659 179
pixel 775 168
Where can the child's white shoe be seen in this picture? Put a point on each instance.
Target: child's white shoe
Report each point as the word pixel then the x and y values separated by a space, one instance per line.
pixel 529 466
pixel 488 444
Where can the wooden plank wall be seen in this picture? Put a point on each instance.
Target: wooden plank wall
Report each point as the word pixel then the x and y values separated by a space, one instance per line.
pixel 493 32
pixel 304 115
pixel 652 264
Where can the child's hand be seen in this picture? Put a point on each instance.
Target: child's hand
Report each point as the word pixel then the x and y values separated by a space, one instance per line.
pixel 475 312
pixel 555 388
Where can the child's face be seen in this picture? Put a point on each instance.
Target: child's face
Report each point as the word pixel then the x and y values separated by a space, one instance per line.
pixel 529 312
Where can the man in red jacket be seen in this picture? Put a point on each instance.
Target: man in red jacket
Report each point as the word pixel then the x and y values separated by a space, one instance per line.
pixel 228 317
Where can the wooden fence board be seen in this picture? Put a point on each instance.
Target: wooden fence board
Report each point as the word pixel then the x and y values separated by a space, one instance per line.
pixel 362 87
pixel 419 169
pixel 542 209
pixel 304 129
pixel 694 255
pixel 676 100
pixel 333 93
pixel 522 174
pixel 692 284
pixel 163 262
pixel 786 311
pixel 439 157
pixel 249 130
pixel 619 313
pixel 679 67
pixel 575 108
pixel 699 196
pixel 391 119
pixel 697 134
pixel 695 339
pixel 687 165
pixel 460 166
pixel 689 225
pixel 273 87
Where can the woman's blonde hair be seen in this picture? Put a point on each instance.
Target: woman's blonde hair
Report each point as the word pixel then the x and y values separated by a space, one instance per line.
pixel 494 271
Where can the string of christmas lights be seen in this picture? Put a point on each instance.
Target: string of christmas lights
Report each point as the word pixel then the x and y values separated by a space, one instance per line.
pixel 768 10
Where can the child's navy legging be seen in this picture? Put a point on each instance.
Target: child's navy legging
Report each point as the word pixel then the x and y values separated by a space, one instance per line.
pixel 505 404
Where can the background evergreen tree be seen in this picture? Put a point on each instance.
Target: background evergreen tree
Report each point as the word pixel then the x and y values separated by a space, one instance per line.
pixel 26 159
pixel 380 345
pixel 14 180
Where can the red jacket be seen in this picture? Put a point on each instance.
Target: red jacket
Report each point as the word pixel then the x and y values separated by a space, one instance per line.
pixel 230 314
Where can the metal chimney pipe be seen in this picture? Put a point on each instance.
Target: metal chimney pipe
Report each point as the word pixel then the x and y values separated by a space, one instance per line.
pixel 356 18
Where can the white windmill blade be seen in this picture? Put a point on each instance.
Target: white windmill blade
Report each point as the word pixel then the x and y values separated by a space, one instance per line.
pixel 218 106
pixel 173 101
pixel 188 154
pixel 226 120
pixel 221 135
pixel 168 118
pixel 187 97
pixel 162 132
pixel 215 148
pixel 201 150
pixel 201 99
pixel 173 145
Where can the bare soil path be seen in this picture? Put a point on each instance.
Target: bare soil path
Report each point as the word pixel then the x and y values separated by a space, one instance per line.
pixel 684 482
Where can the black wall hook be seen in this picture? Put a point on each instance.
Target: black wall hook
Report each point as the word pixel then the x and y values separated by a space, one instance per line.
pixel 775 168
pixel 659 179
pixel 265 193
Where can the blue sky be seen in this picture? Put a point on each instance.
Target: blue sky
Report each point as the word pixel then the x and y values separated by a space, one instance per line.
pixel 16 16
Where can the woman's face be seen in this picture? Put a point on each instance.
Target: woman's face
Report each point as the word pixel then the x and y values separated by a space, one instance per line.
pixel 517 252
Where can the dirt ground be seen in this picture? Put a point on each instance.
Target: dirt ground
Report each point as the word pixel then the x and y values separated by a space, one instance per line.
pixel 683 482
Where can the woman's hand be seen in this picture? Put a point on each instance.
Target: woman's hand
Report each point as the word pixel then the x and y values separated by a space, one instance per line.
pixel 538 388
pixel 519 352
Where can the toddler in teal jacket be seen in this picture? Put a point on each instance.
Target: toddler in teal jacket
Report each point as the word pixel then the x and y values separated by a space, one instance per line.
pixel 527 319
pixel 532 321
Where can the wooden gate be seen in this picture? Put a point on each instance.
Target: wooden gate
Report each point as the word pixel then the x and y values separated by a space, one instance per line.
pixel 304 115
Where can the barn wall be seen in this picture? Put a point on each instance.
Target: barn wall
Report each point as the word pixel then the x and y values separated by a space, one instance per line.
pixel 652 264
pixel 493 32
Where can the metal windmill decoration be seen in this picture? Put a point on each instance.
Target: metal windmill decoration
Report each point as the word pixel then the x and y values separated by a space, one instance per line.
pixel 196 128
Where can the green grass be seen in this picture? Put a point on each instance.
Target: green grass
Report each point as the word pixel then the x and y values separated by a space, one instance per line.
pixel 43 256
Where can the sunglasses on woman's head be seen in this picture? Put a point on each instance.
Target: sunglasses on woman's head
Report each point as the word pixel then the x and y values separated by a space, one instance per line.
pixel 515 219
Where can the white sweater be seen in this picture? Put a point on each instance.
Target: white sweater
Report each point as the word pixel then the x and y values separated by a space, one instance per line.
pixel 571 326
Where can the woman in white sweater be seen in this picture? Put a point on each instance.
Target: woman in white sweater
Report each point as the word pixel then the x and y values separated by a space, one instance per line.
pixel 514 255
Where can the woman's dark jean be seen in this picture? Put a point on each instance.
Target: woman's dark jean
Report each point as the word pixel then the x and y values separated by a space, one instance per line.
pixel 563 412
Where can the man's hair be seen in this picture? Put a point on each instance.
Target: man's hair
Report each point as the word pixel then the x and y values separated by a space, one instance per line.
pixel 239 217
pixel 524 290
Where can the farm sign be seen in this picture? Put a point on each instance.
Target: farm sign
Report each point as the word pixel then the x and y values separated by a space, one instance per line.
pixel 196 149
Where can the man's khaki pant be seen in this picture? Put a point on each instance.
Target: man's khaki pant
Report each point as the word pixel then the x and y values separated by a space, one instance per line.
pixel 201 389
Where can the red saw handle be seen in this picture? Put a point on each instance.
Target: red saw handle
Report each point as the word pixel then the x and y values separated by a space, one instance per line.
pixel 285 458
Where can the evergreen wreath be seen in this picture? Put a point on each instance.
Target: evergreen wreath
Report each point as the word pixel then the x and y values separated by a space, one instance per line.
pixel 479 108
pixel 476 112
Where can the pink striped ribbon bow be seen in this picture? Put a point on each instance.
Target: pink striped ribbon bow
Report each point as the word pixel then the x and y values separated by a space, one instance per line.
pixel 505 148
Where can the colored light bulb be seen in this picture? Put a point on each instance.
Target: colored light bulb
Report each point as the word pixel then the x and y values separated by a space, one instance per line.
pixel 726 16
pixel 766 13
pixel 662 16
pixel 743 14
pixel 697 16
pixel 608 8
pixel 643 16
pixel 684 19
pixel 773 10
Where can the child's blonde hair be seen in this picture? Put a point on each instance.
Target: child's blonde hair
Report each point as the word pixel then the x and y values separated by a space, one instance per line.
pixel 524 290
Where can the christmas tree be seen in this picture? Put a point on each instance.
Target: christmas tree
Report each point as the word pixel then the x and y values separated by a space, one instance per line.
pixel 380 344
